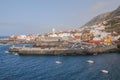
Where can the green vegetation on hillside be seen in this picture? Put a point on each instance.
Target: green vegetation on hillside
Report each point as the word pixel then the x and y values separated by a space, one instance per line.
pixel 112 19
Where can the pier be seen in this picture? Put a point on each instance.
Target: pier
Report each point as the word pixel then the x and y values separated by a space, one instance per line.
pixel 63 51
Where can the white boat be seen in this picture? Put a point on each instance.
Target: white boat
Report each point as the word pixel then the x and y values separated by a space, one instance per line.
pixel 16 53
pixel 58 62
pixel 104 71
pixel 90 61
pixel 6 51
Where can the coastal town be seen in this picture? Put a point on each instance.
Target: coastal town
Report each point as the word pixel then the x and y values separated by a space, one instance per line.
pixel 95 34
pixel 59 39
pixel 86 40
pixel 100 35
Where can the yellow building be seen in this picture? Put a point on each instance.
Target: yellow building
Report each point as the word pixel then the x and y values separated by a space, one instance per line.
pixel 108 40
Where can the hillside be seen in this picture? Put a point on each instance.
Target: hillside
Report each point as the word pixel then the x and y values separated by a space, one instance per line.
pixel 112 19
pixel 98 18
pixel 113 14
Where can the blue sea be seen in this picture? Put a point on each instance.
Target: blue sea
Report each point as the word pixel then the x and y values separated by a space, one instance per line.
pixel 16 67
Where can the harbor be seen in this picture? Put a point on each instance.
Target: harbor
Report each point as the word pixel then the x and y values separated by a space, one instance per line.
pixel 60 40
pixel 64 51
pixel 94 39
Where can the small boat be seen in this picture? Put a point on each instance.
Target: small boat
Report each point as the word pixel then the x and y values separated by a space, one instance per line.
pixel 58 62
pixel 16 53
pixel 6 51
pixel 90 61
pixel 104 71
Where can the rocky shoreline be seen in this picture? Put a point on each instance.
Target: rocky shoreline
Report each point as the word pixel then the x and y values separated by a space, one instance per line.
pixel 8 41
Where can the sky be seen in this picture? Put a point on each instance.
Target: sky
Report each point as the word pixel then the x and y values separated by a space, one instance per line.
pixel 40 16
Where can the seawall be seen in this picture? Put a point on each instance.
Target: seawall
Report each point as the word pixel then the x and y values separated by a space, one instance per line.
pixel 63 51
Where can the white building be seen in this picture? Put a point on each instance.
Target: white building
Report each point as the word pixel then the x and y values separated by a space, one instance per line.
pixel 64 34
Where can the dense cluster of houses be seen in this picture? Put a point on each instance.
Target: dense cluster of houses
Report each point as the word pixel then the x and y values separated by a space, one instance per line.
pixel 100 35
pixel 23 37
pixel 92 34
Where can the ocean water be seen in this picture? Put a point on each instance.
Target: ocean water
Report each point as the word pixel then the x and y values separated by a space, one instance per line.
pixel 15 67
pixel 4 37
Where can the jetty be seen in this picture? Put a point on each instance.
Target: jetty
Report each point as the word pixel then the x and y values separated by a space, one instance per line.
pixel 63 51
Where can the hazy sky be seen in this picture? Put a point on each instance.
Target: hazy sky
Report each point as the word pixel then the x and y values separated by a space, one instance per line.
pixel 40 16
